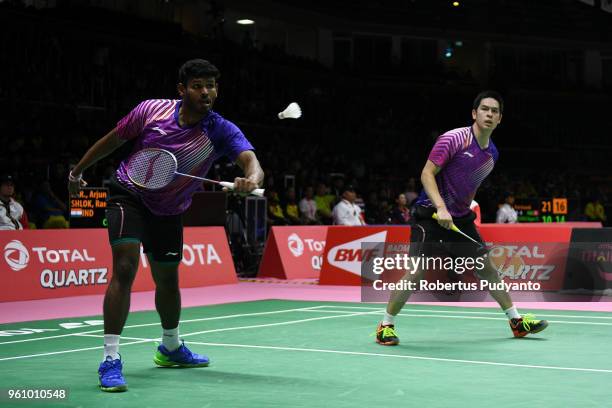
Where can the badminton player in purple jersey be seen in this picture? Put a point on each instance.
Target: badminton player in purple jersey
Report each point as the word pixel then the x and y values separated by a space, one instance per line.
pixel 197 136
pixel 458 163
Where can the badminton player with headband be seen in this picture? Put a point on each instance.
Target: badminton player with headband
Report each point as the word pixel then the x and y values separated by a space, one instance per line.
pixel 458 163
pixel 175 142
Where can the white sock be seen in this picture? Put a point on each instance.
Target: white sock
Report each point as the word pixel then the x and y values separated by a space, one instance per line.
pixel 512 313
pixel 170 339
pixel 111 346
pixel 388 319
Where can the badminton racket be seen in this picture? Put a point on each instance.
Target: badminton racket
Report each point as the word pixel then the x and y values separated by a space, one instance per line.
pixel 153 169
pixel 501 257
pixel 457 230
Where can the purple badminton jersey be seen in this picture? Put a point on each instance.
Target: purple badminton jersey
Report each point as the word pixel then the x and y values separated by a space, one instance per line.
pixel 464 166
pixel 154 124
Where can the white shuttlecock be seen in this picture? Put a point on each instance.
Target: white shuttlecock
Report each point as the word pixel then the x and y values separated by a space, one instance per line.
pixel 292 111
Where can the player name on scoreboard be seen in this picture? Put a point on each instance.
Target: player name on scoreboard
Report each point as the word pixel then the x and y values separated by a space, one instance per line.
pixel 88 209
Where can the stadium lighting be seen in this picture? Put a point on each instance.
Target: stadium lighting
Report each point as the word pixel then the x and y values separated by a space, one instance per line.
pixel 455 4
pixel 245 21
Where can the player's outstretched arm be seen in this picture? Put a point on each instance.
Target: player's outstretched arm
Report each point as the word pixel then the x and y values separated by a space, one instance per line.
pixel 428 178
pixel 102 148
pixel 253 173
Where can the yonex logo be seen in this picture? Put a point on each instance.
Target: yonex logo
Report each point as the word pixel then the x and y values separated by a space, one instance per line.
pixel 468 154
pixel 295 244
pixel 160 130
pixel 16 255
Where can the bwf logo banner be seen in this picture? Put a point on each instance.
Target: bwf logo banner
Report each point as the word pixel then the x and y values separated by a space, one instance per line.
pixel 350 248
pixel 350 255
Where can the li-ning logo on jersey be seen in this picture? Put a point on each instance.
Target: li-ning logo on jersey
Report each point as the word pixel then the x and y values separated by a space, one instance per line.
pixel 160 130
pixel 151 168
pixel 468 154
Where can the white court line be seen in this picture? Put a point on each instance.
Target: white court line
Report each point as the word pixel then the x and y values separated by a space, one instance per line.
pixel 67 351
pixel 158 323
pixel 357 353
pixel 466 312
pixel 380 311
pixel 256 326
pixel 453 360
pixel 140 340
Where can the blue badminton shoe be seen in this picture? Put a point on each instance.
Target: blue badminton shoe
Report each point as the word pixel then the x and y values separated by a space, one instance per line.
pixel 110 376
pixel 181 357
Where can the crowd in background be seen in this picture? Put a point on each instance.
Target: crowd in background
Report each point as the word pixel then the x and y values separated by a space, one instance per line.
pixel 62 90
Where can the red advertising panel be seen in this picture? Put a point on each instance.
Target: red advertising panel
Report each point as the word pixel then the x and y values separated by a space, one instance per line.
pixel 542 248
pixel 40 264
pixel 344 254
pixel 294 252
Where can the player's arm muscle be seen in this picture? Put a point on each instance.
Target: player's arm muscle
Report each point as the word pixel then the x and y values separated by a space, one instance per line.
pixel 428 178
pixel 102 148
pixel 250 166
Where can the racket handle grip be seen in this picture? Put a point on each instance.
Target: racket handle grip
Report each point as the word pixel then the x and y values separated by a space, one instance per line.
pixel 227 184
pixel 259 192
pixel 453 226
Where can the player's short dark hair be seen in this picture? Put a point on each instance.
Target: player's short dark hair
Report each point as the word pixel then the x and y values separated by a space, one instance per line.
pixel 489 94
pixel 197 68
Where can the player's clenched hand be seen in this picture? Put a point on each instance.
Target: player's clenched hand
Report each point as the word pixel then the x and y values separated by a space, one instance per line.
pixel 244 185
pixel 444 218
pixel 75 184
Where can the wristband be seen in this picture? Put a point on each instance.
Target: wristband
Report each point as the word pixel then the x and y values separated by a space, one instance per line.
pixel 74 179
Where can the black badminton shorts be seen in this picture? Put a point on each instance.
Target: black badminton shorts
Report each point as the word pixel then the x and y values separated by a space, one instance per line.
pixel 129 220
pixel 428 238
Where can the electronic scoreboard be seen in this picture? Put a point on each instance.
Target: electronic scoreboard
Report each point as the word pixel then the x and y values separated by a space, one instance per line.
pixel 542 210
pixel 88 209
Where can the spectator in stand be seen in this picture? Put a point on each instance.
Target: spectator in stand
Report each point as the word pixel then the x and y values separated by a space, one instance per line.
pixel 308 208
pixel 12 214
pixel 292 213
pixel 506 214
pixel 372 209
pixel 410 193
pixel 337 188
pixel 275 211
pixel 346 212
pixel 49 208
pixel 595 210
pixel 324 202
pixel 400 213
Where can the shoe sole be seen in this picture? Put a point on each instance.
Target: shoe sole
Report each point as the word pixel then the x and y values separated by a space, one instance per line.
pixel 120 388
pixel 388 343
pixel 169 364
pixel 544 326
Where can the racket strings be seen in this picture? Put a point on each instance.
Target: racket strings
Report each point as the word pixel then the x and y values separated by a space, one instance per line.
pixel 151 169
